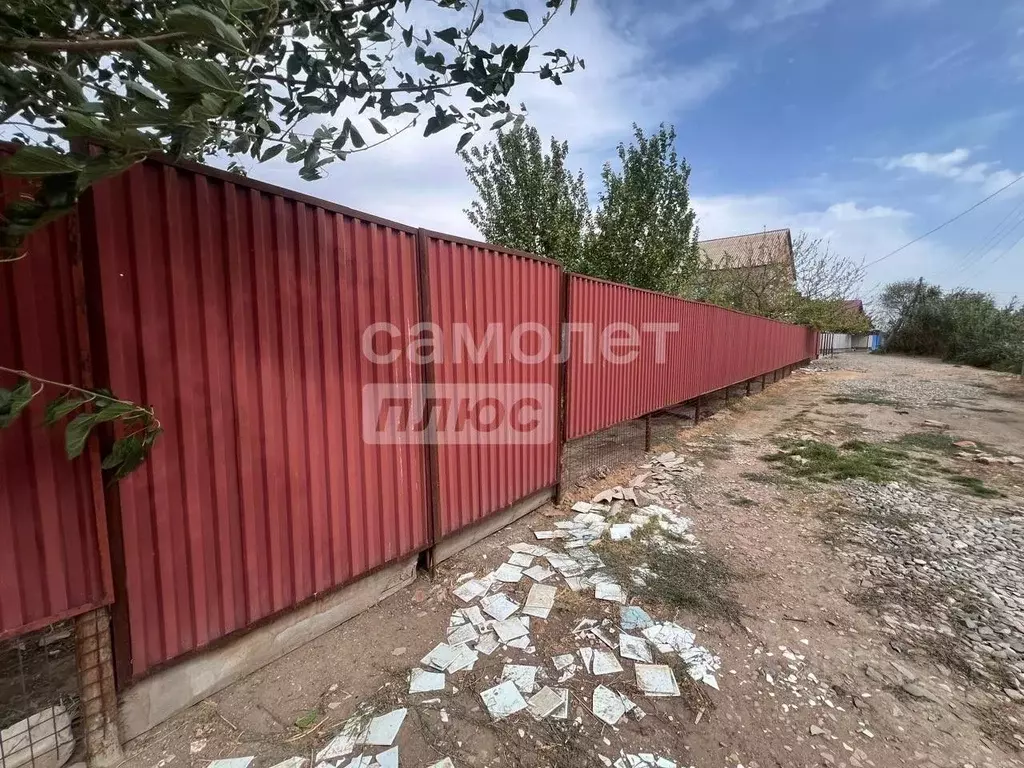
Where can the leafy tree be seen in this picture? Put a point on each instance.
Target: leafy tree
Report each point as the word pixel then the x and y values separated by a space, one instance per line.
pixel 89 87
pixel 646 231
pixel 527 199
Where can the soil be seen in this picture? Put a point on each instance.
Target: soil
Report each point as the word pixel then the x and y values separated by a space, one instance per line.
pixel 796 596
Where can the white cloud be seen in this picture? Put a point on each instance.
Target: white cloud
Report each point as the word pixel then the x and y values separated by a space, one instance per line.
pixel 770 12
pixel 954 165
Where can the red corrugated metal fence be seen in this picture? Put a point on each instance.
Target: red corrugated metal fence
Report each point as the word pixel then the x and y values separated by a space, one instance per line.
pixel 238 315
pixel 617 374
pixel 54 560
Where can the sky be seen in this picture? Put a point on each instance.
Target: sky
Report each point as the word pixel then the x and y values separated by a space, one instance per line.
pixel 866 123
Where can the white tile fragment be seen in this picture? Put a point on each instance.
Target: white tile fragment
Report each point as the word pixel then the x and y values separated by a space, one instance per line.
pixel 470 591
pixel 510 574
pixel 521 560
pixel 421 681
pixel 383 729
pixel 487 644
pixel 581 506
pixel 610 591
pixel 540 601
pixel 509 629
pixel 634 648
pixel 475 616
pixel 525 677
pixel 587 657
pixel 539 573
pixel 545 702
pixel 607 705
pixel 233 762
pixel 503 700
pixel 605 662
pixel 388 759
pixel 656 680
pixel 461 635
pixel 563 661
pixel 530 549
pixel 562 713
pixel 465 658
pixel 292 762
pixel 439 657
pixel 446 763
pixel 498 606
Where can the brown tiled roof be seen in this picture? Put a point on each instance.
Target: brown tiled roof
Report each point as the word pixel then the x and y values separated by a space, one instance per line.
pixel 757 249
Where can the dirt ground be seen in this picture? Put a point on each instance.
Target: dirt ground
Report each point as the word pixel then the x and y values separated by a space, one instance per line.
pixel 808 672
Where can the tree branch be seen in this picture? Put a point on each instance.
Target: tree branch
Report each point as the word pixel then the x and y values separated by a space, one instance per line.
pixel 49 44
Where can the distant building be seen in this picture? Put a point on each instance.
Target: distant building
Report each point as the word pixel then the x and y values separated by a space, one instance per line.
pixel 759 252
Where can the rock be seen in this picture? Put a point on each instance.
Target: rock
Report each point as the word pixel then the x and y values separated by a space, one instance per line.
pixel 400 651
pixel 1013 695
pixel 966 444
pixel 816 731
pixel 920 692
pixel 934 424
pixel 1014 460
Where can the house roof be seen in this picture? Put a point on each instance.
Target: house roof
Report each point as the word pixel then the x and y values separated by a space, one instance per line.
pixel 856 305
pixel 758 249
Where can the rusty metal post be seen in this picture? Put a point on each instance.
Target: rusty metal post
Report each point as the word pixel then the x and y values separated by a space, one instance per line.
pixel 763 377
pixel 696 412
pixel 94 658
pixel 748 387
pixel 647 433
pixel 727 395
pixel 564 351
pixel 432 462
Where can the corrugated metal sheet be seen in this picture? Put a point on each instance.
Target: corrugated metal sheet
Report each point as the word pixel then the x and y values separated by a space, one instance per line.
pixel 53 538
pixel 237 312
pixel 713 348
pixel 472 286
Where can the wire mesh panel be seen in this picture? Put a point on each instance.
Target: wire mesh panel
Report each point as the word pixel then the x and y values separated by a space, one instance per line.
pixel 594 456
pixel 40 721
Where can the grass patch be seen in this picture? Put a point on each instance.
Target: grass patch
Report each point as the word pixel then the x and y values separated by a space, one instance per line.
pixel 976 487
pixel 929 441
pixel 739 501
pixel 713 447
pixel 823 462
pixel 676 577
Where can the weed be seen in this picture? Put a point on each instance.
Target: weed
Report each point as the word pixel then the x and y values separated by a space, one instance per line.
pixel 772 478
pixel 676 577
pixel 819 461
pixel 739 501
pixel 866 397
pixel 976 487
pixel 713 447
pixel 929 441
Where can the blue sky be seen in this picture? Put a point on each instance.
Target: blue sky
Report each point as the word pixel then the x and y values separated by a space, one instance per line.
pixel 867 123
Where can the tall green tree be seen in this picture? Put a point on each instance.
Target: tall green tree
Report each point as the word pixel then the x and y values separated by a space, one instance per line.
pixel 527 199
pixel 645 230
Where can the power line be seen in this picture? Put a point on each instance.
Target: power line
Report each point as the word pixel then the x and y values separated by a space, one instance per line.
pixel 945 223
pixel 999 233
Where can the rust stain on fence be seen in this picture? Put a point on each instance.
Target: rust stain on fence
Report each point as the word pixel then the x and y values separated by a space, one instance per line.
pixel 53 539
pixel 237 311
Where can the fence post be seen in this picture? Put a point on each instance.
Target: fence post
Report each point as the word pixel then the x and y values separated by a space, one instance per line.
pixel 696 412
pixel 748 387
pixel 433 469
pixel 564 351
pixel 647 433
pixel 94 658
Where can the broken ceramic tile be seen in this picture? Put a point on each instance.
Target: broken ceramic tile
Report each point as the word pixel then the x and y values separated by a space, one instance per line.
pixel 634 617
pixel 388 759
pixel 610 591
pixel 621 531
pixel 562 713
pixel 522 643
pixel 546 535
pixel 362 761
pixel 521 560
pixel 487 644
pixel 529 549
pixel 669 637
pixel 509 629
pixel 344 742
pixel 656 680
pixel 545 702
pixel 440 656
pixel 605 663
pixel 587 657
pixel 421 681
pixel 539 573
pixel 607 705
pixel 503 700
pixel 383 729
pixel 498 606
pixel 563 661
pixel 634 648
pixel 446 763
pixel 577 583
pixel 470 591
pixel 525 677
pixel 292 762
pixel 509 574
pixel 465 658
pixel 600 635
pixel 581 506
pixel 460 635
pixel 540 601
pixel 476 618
pixel 232 762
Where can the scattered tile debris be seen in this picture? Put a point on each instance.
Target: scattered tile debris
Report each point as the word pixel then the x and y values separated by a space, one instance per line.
pixel 607 705
pixel 610 591
pixel 540 601
pixel 656 680
pixel 525 677
pixel 503 700
pixel 634 648
pixel 383 729
pixel 232 762
pixel 421 681
pixel 498 606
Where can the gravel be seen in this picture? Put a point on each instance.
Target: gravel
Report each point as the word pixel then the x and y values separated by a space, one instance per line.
pixel 943 572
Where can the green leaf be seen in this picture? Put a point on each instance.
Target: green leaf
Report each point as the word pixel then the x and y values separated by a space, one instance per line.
pixel 353 134
pixel 273 152
pixel 378 126
pixel 307 720
pixel 407 37
pixel 466 138
pixel 517 14
pixel 39 161
pixel 77 433
pixel 13 402
pixel 143 90
pixel 245 6
pixel 155 57
pixel 112 411
pixel 200 22
pixel 61 407
pixel 206 75
pixel 449 35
